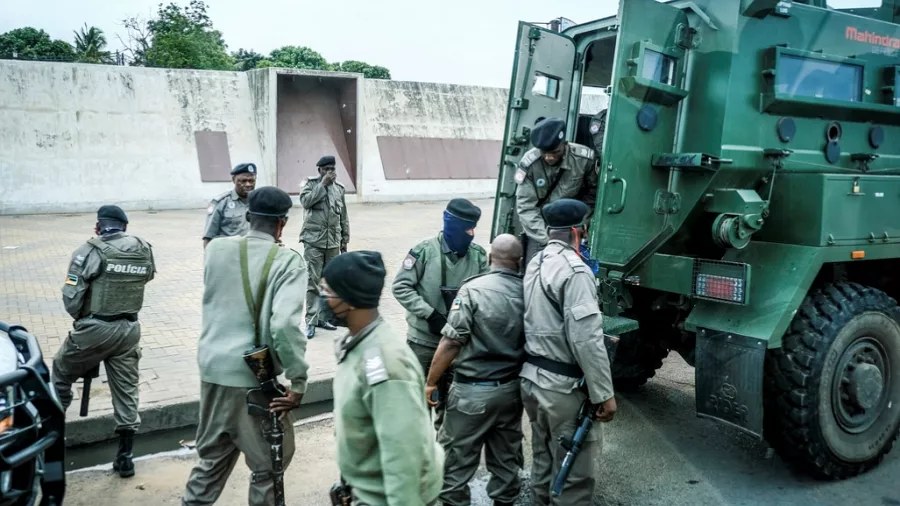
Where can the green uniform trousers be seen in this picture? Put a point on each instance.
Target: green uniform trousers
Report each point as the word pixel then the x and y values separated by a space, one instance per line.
pixel 476 416
pixel 316 260
pixel 425 356
pixel 553 414
pixel 116 345
pixel 225 431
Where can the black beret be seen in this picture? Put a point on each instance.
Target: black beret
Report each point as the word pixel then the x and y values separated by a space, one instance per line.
pixel 565 213
pixel 269 201
pixel 325 160
pixel 112 213
pixel 465 210
pixel 244 167
pixel 357 277
pixel 547 134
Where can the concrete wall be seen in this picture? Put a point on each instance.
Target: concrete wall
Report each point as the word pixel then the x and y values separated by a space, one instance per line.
pixel 74 137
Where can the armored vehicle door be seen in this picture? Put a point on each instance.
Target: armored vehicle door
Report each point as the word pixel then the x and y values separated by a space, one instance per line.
pixel 541 87
pixel 633 212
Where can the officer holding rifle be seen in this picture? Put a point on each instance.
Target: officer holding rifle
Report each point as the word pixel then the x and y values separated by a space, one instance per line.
pixel 253 301
pixel 567 366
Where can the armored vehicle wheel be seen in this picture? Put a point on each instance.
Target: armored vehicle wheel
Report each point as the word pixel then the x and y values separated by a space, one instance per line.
pixel 637 360
pixel 833 389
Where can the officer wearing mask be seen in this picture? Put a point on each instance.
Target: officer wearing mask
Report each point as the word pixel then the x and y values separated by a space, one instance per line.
pixel 104 291
pixel 325 233
pixel 429 279
pixel 484 338
pixel 553 169
pixel 566 360
pixel 226 214
pixel 386 450
pixel 239 271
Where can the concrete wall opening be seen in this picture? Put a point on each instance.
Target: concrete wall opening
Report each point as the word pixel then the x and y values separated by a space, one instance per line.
pixel 316 116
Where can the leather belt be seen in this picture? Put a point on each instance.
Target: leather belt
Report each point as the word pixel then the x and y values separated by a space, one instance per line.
pixel 468 380
pixel 114 318
pixel 570 370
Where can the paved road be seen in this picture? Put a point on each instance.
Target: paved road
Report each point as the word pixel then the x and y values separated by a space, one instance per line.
pixel 656 452
pixel 34 256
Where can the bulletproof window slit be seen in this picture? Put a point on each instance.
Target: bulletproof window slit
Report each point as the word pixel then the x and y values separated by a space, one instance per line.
pixel 545 85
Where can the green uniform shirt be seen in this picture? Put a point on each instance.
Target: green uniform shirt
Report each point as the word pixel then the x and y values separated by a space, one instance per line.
pixel 386 448
pixel 227 328
pixel 573 337
pixel 86 266
pixel 417 285
pixel 487 317
pixel 325 222
pixel 226 216
pixel 540 184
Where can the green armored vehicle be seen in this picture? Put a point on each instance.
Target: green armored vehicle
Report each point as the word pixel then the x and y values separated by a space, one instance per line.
pixel 748 206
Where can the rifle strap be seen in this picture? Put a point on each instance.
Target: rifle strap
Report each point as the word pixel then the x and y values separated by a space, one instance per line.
pixel 254 308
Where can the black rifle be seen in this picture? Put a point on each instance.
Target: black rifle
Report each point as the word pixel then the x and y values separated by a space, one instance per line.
pixel 573 446
pixel 259 360
pixel 86 389
pixel 340 494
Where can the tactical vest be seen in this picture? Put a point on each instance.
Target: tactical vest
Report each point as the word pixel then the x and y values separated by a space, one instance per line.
pixel 120 287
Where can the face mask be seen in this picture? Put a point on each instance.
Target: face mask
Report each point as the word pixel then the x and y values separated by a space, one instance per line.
pixel 455 235
pixel 327 314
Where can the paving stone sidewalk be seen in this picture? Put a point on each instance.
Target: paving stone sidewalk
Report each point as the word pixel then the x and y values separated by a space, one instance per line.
pixel 35 251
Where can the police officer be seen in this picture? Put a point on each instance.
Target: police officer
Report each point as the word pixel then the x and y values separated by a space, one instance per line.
pixel 104 291
pixel 325 233
pixel 226 214
pixel 566 360
pixel 484 338
pixel 232 267
pixel 553 169
pixel 386 453
pixel 429 278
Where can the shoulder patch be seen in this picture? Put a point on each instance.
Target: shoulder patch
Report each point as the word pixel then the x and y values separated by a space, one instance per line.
pixel 411 258
pixel 530 156
pixel 376 372
pixel 582 151
pixel 78 260
pixel 456 302
pixel 519 177
pixel 72 279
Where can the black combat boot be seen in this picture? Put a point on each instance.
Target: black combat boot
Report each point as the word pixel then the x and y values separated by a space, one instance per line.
pixel 123 463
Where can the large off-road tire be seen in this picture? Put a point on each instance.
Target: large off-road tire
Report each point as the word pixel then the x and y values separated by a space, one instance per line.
pixel 637 360
pixel 833 389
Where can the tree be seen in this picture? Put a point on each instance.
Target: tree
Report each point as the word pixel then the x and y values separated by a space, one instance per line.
pixel 90 44
pixel 246 60
pixel 299 57
pixel 369 71
pixel 32 44
pixel 181 38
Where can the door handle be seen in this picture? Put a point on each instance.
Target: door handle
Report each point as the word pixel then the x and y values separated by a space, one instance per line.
pixel 621 206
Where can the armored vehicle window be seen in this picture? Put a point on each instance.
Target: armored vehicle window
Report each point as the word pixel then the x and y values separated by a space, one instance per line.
pixel 659 67
pixel 807 77
pixel 545 85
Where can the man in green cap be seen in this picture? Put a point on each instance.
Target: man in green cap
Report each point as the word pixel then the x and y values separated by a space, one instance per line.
pixel 428 280
pixel 484 339
pixel 226 214
pixel 253 295
pixel 325 233
pixel 566 363
pixel 386 452
pixel 104 291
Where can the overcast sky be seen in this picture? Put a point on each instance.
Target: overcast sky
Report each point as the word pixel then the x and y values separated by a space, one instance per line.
pixel 456 41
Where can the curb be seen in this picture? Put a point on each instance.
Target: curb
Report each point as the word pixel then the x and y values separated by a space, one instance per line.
pixel 83 431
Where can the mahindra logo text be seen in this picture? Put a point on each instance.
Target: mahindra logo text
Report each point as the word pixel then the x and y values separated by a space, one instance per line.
pixel 868 37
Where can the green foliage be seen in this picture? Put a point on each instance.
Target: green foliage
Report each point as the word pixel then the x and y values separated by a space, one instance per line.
pixel 299 57
pixel 246 60
pixel 180 38
pixel 90 45
pixel 32 44
pixel 369 71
